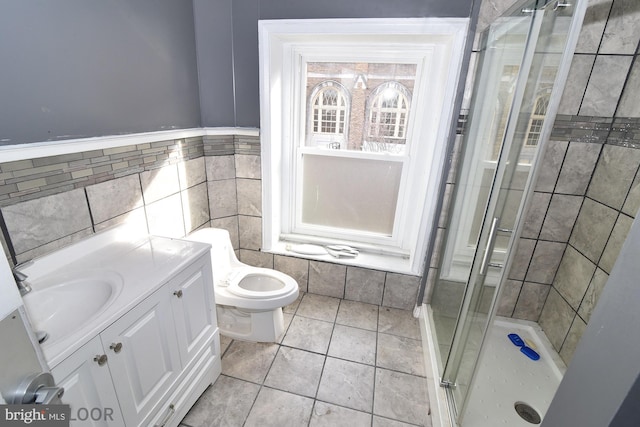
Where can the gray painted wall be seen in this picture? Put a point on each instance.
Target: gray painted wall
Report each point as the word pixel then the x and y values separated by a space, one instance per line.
pixel 601 379
pixel 73 68
pixel 214 41
pixel 246 14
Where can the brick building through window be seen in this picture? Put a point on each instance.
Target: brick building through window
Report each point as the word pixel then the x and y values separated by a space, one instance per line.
pixel 377 100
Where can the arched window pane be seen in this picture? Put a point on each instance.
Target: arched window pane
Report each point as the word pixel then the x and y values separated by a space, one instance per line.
pixel 388 108
pixel 329 109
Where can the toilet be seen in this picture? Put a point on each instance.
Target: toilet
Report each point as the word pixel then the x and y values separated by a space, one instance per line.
pixel 249 300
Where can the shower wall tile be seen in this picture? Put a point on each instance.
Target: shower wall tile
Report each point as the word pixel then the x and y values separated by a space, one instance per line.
pixel 535 215
pixel 256 258
pixel 593 228
pixel 490 10
pixel 632 203
pixel 364 285
pixel 37 222
pixel 592 295
pixel 250 232
pixel 616 168
pixel 629 105
pixel 222 198
pixel 159 183
pixel 165 217
pixel 573 338
pixel 573 278
pixel 550 166
pixel 521 259
pixel 621 34
pixel 561 216
pixel 577 168
pixel 113 198
pixel 556 319
pixel 192 172
pixel 220 167
pixel 297 268
pixel 618 236
pixel 248 166
pixel 195 206
pixel 531 301
pixel 509 297
pixel 327 279
pixel 249 193
pixel 400 291
pixel 595 20
pixel 545 261
pixel 605 85
pixel 574 89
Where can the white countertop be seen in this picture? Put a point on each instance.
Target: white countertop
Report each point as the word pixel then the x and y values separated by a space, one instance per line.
pixel 144 263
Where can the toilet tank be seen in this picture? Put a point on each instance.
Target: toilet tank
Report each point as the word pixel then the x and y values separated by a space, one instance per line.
pixel 223 258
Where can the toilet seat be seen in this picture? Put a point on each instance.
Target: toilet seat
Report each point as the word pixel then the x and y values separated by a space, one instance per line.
pixel 259 283
pixel 230 291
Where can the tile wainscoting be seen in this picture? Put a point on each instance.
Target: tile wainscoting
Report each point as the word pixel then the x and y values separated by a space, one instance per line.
pixel 169 188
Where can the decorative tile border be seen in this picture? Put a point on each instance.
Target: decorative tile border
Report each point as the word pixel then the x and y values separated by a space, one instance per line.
pixel 620 131
pixel 24 180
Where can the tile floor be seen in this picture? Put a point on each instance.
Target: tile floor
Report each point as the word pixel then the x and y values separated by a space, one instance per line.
pixel 340 363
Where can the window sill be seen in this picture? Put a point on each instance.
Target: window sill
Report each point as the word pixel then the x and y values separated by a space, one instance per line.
pixel 384 262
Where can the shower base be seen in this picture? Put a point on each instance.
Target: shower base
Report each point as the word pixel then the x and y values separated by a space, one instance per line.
pixel 506 376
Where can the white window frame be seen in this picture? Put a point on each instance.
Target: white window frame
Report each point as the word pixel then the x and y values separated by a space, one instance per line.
pixel 436 46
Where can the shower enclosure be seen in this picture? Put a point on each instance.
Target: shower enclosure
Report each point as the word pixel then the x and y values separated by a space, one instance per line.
pixel 523 62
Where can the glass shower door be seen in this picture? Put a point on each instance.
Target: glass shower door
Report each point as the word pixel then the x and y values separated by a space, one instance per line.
pixel 501 58
pixel 519 63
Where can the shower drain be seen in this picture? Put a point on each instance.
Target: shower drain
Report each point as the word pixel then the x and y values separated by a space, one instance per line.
pixel 527 413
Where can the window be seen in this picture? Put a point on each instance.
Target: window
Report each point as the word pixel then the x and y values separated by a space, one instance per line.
pixel 351 112
pixel 388 111
pixel 537 118
pixel 329 111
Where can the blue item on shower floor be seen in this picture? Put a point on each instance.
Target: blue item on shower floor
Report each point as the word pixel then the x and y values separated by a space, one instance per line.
pixel 516 340
pixel 530 353
pixel 527 351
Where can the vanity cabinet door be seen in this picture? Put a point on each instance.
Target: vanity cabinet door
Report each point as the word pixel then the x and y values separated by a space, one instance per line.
pixel 88 388
pixel 143 355
pixel 194 308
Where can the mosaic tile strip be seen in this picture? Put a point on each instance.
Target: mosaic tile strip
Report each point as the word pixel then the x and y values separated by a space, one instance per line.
pixel 218 145
pixel 621 131
pixel 247 145
pixel 24 180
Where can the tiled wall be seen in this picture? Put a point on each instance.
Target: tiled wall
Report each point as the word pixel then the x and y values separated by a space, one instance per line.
pixel 53 201
pixel 169 188
pixel 587 192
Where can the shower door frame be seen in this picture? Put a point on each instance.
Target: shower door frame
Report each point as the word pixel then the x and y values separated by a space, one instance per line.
pixel 563 70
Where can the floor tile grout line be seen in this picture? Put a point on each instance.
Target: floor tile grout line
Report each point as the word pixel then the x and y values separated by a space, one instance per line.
pixel 325 355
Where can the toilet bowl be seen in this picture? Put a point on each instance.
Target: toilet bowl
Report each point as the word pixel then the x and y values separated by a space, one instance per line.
pixel 249 300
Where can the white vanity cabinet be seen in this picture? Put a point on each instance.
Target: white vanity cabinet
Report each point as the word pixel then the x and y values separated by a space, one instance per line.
pixel 159 356
pixel 88 385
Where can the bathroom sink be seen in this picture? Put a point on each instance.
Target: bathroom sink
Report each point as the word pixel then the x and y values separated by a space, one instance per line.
pixel 61 306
